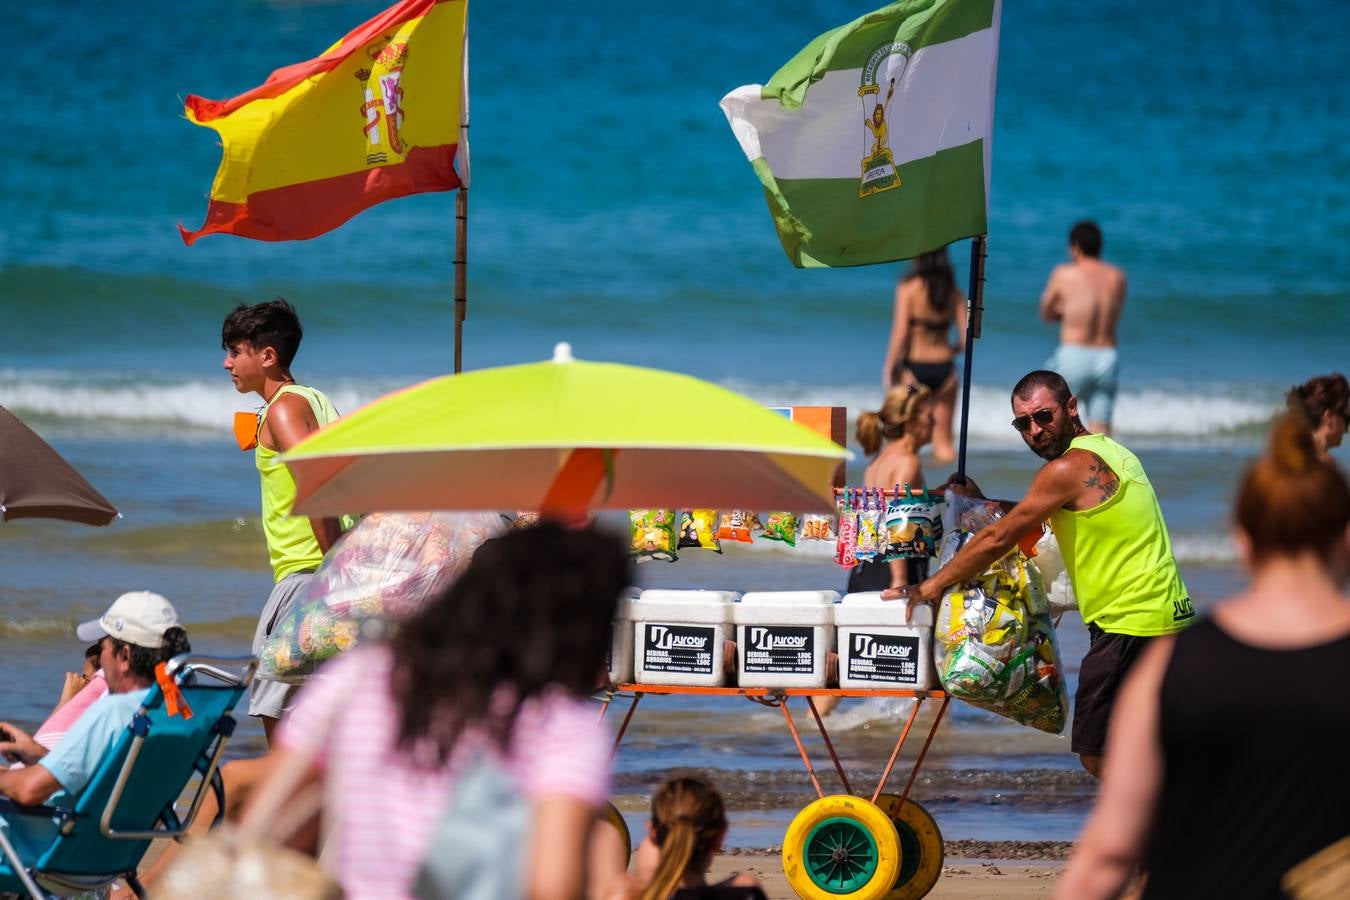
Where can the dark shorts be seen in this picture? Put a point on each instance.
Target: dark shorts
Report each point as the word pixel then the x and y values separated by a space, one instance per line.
pixel 1104 667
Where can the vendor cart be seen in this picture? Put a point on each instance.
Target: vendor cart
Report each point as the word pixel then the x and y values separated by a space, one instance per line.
pixel 853 844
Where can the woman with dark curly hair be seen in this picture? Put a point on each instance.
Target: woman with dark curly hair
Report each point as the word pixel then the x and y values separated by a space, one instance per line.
pixel 496 669
pixel 1325 402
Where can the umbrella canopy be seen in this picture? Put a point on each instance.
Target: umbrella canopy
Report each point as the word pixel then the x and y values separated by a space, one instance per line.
pixel 559 436
pixel 36 483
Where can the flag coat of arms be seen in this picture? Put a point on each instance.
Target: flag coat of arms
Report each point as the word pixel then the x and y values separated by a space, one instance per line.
pixel 376 116
pixel 873 143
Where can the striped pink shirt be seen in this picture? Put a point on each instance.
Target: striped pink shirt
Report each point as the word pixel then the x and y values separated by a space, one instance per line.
pixel 389 808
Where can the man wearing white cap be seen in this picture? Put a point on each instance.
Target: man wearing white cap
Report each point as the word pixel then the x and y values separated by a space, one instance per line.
pixel 139 631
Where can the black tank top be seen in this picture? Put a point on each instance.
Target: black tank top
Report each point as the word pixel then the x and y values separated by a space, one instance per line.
pixel 1254 746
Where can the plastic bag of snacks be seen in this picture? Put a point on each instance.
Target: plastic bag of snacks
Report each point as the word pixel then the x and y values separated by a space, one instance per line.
pixel 868 507
pixel 817 527
pixel 846 543
pixel 737 525
pixel 653 534
pixel 1049 561
pixel 993 640
pixel 381 572
pixel 781 526
pixel 698 530
pixel 913 525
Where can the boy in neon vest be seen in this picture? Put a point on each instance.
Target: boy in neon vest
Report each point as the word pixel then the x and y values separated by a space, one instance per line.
pixel 1110 528
pixel 260 343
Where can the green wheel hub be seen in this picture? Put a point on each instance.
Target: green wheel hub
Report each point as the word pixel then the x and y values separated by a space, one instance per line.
pixel 841 855
pixel 910 852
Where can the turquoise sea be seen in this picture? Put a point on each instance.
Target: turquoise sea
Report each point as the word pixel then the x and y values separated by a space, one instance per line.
pixel 612 208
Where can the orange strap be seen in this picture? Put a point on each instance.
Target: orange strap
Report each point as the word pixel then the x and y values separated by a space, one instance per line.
pixel 174 703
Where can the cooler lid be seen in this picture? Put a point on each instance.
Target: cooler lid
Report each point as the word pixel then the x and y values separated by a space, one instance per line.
pixel 790 598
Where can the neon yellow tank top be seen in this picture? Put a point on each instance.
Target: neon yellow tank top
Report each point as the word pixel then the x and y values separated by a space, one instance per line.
pixel 1118 554
pixel 291 545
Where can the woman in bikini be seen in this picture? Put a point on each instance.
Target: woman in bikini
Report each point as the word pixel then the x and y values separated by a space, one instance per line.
pixel 927 305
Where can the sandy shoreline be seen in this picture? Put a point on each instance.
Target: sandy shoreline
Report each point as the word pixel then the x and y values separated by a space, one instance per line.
pixel 973 869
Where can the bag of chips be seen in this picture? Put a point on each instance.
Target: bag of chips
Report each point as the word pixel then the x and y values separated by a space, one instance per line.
pixel 993 640
pixel 781 526
pixel 817 527
pixel 913 525
pixel 653 534
pixel 380 573
pixel 870 514
pixel 698 530
pixel 737 525
pixel 846 542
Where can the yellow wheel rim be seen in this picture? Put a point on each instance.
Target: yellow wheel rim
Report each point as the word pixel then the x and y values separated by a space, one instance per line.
pixel 612 815
pixel 841 846
pixel 922 853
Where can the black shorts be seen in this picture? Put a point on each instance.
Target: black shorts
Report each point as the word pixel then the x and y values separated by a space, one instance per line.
pixel 1099 678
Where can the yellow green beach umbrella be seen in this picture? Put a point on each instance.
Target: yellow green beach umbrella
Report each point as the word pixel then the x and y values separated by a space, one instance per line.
pixel 563 435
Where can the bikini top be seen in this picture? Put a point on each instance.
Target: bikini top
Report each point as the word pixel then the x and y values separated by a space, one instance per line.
pixel 937 325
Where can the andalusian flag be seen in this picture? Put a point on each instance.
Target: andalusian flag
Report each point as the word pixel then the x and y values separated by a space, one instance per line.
pixel 873 142
pixel 377 116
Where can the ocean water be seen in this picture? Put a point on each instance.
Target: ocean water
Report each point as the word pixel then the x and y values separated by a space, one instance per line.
pixel 611 207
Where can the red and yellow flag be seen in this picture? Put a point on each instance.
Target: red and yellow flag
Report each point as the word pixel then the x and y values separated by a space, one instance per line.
pixel 377 116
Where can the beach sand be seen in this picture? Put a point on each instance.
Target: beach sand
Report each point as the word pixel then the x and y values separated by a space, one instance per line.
pixel 962 877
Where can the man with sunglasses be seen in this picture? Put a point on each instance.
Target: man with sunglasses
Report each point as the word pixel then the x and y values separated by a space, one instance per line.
pixel 1110 529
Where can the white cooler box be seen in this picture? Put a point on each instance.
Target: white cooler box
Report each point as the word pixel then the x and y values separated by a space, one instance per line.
pixel 620 662
pixel 783 637
pixel 678 636
pixel 878 649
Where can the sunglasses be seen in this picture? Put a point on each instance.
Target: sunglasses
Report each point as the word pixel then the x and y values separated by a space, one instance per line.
pixel 1042 417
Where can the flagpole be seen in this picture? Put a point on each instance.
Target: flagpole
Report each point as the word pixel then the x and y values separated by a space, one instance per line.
pixel 975 312
pixel 461 264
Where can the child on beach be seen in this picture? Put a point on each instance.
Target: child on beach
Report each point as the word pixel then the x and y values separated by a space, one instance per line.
pixel 687 827
pixel 489 681
pixel 260 343
pixel 902 427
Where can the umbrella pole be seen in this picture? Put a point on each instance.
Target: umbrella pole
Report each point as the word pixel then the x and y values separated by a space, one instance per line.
pixel 461 263
pixel 975 312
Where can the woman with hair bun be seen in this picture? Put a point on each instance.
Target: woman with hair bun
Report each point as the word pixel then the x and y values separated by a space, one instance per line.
pixel 1224 765
pixel 893 436
pixel 688 825
pixel 1325 402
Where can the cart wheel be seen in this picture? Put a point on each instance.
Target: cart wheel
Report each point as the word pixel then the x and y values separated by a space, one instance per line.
pixel 612 815
pixel 921 851
pixel 841 846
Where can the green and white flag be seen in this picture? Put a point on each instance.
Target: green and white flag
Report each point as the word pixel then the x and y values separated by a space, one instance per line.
pixel 873 142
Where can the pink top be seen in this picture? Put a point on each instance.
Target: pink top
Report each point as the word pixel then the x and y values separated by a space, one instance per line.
pixel 389 807
pixel 59 722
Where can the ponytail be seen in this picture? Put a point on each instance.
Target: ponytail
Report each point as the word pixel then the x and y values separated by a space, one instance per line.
pixel 677 850
pixel 175 644
pixel 1292 500
pixel 869 432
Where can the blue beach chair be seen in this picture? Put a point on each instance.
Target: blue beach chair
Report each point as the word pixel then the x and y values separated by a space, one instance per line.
pixel 131 798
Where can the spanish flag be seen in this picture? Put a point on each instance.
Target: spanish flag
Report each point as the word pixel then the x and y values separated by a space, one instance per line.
pixel 377 116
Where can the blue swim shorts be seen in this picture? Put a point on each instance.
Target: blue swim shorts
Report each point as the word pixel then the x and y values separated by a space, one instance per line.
pixel 1091 373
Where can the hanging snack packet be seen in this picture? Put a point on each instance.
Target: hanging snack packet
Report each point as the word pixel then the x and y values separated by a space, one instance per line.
pixel 736 525
pixel 698 530
pixel 653 534
pixel 913 525
pixel 781 526
pixel 869 526
pixel 817 527
pixel 846 544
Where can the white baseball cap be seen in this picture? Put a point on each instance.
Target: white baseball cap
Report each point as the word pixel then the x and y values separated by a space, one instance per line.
pixel 137 617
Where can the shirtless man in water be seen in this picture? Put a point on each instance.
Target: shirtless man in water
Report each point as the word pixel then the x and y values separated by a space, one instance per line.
pixel 1085 297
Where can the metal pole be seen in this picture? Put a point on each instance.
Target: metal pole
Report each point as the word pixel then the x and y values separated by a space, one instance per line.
pixel 461 263
pixel 974 314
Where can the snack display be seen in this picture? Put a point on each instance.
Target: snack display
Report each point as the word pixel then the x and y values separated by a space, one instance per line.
pixel 913 525
pixel 737 525
pixel 781 526
pixel 817 527
pixel 653 534
pixel 994 642
pixel 698 530
pixel 868 507
pixel 380 572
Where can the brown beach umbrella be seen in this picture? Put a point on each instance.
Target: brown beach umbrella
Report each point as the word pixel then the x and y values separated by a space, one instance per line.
pixel 36 483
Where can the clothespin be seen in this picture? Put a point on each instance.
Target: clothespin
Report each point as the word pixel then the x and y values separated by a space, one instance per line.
pixel 174 702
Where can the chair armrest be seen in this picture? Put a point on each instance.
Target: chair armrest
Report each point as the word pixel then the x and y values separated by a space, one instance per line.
pixel 41 811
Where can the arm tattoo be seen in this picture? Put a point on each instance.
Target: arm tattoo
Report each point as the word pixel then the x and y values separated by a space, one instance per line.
pixel 1101 477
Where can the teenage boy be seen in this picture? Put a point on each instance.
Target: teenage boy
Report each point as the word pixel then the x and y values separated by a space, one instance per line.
pixel 260 343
